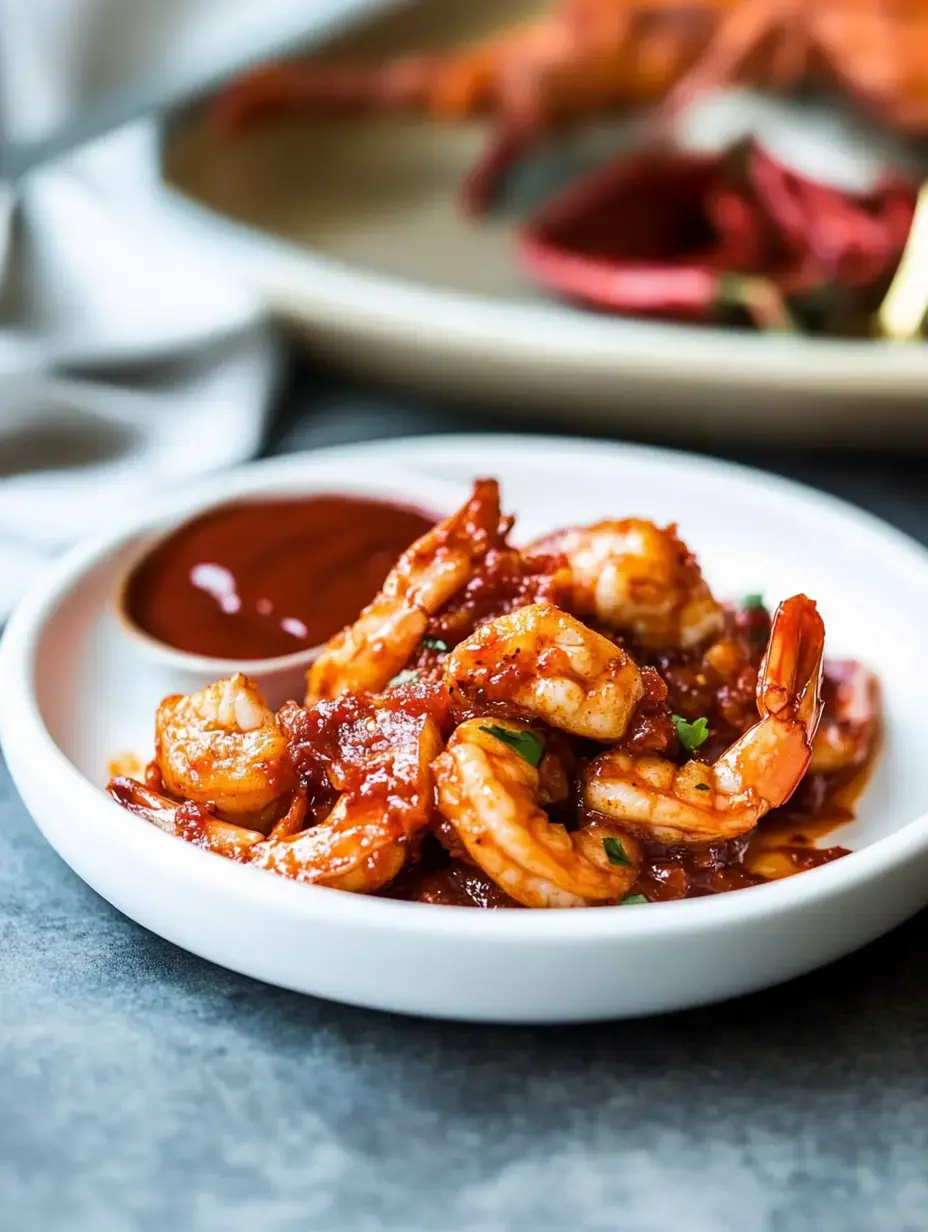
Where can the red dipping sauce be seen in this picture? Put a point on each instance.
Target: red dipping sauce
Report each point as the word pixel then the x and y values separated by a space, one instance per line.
pixel 260 579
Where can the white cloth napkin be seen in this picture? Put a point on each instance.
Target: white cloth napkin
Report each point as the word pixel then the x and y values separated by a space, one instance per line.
pixel 127 361
pixel 130 359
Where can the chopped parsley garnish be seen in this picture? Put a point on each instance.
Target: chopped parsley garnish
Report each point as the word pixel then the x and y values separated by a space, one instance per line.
pixel 615 851
pixel 750 603
pixel 529 746
pixel 702 787
pixel 407 676
pixel 630 900
pixel 691 735
pixel 435 643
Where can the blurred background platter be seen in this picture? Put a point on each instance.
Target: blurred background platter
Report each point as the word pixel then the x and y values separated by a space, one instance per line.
pixel 351 230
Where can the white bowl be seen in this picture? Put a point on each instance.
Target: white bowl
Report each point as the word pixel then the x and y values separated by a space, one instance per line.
pixel 73 694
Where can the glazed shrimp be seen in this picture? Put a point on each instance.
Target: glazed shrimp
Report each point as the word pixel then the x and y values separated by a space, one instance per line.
pixel 488 792
pixel 193 822
pixel 849 725
pixel 699 803
pixel 354 848
pixel 546 664
pixel 365 656
pixel 222 746
pixel 634 576
pixel 364 841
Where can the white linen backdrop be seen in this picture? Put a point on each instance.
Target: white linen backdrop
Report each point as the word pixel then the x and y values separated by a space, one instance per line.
pixel 130 359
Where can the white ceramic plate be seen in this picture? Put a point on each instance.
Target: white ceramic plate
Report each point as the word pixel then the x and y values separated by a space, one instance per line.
pixel 74 692
pixel 351 231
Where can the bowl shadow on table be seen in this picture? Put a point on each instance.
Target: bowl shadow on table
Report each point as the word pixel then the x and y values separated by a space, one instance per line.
pixel 869 1006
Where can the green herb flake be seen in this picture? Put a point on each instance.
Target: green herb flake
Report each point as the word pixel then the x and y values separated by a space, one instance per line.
pixel 691 735
pixel 631 900
pixel 529 746
pixel 615 851
pixel 405 677
pixel 435 643
pixel 751 603
pixel 702 787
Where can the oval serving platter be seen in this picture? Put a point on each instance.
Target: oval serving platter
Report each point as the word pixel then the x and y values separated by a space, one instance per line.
pixel 351 232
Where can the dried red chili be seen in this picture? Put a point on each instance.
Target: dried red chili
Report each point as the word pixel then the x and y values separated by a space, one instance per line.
pixel 688 236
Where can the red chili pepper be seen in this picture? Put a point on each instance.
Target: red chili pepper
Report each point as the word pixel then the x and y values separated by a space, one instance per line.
pixel 662 232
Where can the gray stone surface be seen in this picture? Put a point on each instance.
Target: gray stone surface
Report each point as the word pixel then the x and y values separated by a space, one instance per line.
pixel 142 1088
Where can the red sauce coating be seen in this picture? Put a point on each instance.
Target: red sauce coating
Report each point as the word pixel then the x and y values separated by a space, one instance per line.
pixel 504 581
pixel 369 748
pixel 258 579
pixel 459 885
pixel 365 747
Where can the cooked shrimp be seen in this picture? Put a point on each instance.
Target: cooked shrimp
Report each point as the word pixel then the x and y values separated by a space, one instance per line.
pixel 852 709
pixel 543 663
pixel 193 822
pixel 634 576
pixel 699 803
pixel 363 842
pixel 355 849
pixel 365 656
pixel 488 791
pixel 222 746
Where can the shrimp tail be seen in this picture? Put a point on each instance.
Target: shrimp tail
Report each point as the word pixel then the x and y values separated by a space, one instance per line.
pixel 196 823
pixel 773 757
pixel 790 681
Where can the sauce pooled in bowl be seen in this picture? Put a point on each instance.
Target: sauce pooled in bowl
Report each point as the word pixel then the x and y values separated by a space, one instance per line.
pixel 264 578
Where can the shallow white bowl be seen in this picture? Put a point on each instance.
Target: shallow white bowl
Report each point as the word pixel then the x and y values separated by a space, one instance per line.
pixel 74 693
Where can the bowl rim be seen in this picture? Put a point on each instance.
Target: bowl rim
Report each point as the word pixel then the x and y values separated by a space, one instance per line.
pixel 27 742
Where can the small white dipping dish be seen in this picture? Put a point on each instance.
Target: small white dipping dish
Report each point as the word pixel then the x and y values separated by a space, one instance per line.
pixel 283 676
pixel 75 692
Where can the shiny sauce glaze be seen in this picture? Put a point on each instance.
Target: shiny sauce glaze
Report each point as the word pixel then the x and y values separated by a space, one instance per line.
pixel 787 841
pixel 258 579
pixel 365 748
pixel 337 740
pixel 720 684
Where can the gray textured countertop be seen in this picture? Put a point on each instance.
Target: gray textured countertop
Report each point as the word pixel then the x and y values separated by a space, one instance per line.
pixel 142 1088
